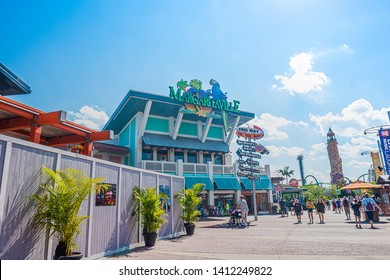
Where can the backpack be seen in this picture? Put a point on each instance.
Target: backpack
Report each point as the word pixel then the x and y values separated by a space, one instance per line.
pixel 370 206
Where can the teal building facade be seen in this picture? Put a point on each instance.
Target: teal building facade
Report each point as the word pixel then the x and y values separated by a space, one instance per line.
pixel 166 134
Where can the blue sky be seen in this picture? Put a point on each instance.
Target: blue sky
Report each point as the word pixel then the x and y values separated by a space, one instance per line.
pixel 300 66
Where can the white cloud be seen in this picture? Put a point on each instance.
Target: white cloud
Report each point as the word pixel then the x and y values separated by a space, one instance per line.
pixel 91 117
pixel 271 125
pixel 317 150
pixel 302 79
pixel 277 151
pixel 359 165
pixel 352 120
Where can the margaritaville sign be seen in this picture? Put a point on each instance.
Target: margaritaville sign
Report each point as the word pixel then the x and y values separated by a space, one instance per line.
pixel 203 102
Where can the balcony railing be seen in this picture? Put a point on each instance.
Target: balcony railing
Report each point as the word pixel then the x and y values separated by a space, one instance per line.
pixel 189 168
pixel 159 166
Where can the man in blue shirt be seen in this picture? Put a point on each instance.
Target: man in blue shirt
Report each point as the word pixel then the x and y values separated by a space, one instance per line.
pixel 369 207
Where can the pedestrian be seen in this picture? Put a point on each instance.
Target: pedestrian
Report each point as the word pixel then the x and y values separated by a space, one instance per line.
pixel 298 209
pixel 334 205
pixel 346 206
pixel 243 205
pixel 282 205
pixel 310 207
pixel 327 204
pixel 338 205
pixel 292 207
pixel 287 208
pixel 320 207
pixel 369 208
pixel 356 206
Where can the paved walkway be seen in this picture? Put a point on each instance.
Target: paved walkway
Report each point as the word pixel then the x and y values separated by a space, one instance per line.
pixel 273 238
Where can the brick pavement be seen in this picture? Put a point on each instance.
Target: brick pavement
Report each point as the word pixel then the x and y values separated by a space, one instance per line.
pixel 273 238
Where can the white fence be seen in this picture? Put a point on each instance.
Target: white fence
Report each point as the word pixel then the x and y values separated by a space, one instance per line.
pixel 110 229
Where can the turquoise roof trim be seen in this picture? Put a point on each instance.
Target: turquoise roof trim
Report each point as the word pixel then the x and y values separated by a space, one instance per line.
pixel 192 180
pixel 135 102
pixel 158 140
pixel 264 183
pixel 227 183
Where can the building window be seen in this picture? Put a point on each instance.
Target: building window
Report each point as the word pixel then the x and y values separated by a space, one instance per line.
pixel 179 155
pixel 218 159
pixel 162 155
pixel 206 158
pixel 147 154
pixel 191 158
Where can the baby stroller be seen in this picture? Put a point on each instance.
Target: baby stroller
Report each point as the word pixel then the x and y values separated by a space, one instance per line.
pixel 235 218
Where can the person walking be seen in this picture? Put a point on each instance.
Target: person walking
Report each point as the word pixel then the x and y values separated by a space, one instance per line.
pixel 338 205
pixel 298 209
pixel 320 207
pixel 292 206
pixel 282 205
pixel 346 206
pixel 369 208
pixel 310 207
pixel 356 206
pixel 334 205
pixel 243 205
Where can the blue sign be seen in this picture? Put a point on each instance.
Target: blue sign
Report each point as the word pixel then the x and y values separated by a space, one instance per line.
pixel 384 137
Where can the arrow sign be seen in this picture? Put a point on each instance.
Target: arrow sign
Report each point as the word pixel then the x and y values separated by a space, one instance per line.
pixel 250 177
pixel 251 162
pixel 253 170
pixel 240 153
pixel 249 148
pixel 243 174
pixel 241 161
pixel 241 142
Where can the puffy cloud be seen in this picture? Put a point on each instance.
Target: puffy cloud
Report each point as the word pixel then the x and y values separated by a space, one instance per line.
pixel 359 165
pixel 318 150
pixel 302 79
pixel 90 116
pixel 271 125
pixel 277 151
pixel 352 120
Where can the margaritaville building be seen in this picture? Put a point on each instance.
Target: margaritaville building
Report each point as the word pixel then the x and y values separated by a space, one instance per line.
pixel 187 132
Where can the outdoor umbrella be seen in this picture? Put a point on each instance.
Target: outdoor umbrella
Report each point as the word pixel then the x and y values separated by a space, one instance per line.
pixel 360 185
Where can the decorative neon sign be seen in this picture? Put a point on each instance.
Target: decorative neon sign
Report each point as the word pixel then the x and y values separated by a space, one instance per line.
pixel 202 102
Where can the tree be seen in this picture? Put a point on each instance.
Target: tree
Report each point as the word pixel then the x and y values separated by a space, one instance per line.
pixel 286 172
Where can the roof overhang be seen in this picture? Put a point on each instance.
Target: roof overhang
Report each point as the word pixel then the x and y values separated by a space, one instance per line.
pixel 156 140
pixel 52 129
pixel 135 101
pixel 10 84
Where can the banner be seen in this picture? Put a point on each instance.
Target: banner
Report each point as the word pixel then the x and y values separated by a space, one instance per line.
pixel 384 138
pixel 376 163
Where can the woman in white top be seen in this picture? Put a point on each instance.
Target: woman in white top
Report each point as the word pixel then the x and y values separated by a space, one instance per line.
pixel 244 210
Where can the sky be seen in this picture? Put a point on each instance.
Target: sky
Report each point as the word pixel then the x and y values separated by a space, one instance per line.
pixel 300 66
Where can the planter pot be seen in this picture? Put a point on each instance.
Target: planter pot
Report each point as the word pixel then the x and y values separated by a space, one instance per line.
pixel 150 239
pixel 60 253
pixel 190 228
pixel 74 256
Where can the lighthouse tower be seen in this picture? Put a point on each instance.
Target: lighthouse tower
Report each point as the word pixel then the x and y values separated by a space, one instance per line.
pixel 336 166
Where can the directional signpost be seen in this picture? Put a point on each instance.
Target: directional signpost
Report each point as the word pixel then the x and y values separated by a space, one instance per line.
pixel 247 152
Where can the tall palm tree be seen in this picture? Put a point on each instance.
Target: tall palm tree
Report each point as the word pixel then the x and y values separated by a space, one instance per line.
pixel 286 172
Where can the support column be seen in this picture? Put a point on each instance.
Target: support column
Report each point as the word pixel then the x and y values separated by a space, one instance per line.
pixel 35 133
pixel 87 148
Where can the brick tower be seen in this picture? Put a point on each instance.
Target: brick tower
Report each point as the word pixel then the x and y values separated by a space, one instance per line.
pixel 336 166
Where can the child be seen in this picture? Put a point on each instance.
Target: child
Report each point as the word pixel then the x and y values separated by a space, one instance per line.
pixel 356 211
pixel 310 207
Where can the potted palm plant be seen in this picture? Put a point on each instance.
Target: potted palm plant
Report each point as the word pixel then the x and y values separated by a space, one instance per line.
pixel 149 212
pixel 189 200
pixel 57 203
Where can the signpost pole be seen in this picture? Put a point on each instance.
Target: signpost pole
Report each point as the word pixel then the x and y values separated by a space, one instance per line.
pixel 254 199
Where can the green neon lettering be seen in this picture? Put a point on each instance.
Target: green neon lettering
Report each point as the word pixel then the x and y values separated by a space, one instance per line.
pixel 175 95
